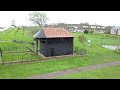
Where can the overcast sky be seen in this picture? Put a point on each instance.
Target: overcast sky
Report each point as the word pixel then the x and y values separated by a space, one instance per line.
pixel 74 17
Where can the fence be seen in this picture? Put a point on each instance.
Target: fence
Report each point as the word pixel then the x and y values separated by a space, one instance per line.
pixel 109 40
pixel 18 56
pixel 105 39
pixel 18 53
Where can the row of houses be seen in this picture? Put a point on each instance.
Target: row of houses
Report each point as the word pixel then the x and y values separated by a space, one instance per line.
pixel 115 30
pixel 78 27
pixel 86 26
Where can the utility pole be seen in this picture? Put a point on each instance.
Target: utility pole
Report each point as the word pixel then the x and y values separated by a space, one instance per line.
pixel 94 30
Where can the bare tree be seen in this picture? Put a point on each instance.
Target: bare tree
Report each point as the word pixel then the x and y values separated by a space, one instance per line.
pixel 38 18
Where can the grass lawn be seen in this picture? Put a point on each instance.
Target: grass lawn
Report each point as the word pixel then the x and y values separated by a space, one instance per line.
pixel 25 70
pixel 95 55
pixel 105 73
pixel 18 34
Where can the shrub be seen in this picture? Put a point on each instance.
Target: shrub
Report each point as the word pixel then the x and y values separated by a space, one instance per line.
pixel 107 32
pixel 82 51
pixel 91 31
pixel 86 31
pixel 117 51
pixel 82 38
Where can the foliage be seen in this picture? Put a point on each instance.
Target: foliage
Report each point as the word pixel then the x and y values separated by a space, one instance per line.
pixel 107 32
pixel 82 38
pixel 86 31
pixel 91 31
pixel 108 29
pixel 117 51
pixel 82 51
pixel 38 18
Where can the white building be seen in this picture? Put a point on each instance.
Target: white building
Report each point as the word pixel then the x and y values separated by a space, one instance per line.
pixel 115 31
pixel 12 23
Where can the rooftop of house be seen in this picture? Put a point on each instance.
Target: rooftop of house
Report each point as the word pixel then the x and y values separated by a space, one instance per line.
pixel 52 33
pixel 116 27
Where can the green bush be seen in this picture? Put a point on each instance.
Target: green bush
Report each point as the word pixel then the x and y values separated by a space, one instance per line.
pixel 91 31
pixel 117 51
pixel 86 31
pixel 107 32
pixel 82 51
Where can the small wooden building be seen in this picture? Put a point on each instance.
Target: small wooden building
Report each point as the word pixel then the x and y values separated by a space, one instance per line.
pixel 54 42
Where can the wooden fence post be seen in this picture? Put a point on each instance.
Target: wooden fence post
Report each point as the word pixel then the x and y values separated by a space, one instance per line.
pixel 31 56
pixel 22 56
pixel 0 55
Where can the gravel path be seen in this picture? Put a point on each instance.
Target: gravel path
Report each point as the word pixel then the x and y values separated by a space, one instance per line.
pixel 72 71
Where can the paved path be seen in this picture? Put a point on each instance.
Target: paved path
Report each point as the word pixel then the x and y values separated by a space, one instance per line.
pixel 111 47
pixel 72 71
pixel 5 41
pixel 4 28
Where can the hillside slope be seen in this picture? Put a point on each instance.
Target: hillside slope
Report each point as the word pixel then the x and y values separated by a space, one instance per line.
pixel 18 33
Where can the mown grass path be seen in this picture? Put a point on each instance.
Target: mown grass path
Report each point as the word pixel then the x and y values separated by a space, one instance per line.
pixel 72 71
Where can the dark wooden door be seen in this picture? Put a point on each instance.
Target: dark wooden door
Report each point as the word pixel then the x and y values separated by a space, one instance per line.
pixel 52 51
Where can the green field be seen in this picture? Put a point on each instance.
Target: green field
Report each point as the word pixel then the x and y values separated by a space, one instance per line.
pixel 19 33
pixel 106 73
pixel 23 36
pixel 95 55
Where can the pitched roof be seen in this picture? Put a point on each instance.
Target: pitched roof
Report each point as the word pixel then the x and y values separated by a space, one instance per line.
pixel 39 34
pixel 52 33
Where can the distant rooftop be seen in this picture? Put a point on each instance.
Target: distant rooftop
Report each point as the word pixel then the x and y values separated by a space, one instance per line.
pixel 116 27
